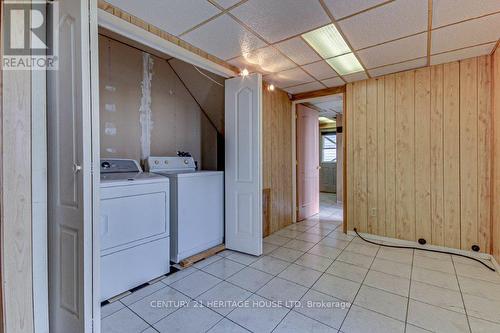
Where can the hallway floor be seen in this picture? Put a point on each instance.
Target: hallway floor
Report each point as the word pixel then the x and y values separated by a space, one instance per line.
pixel 306 280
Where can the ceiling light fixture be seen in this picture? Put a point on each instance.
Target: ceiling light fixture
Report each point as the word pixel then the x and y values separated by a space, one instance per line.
pixel 327 41
pixel 270 87
pixel 325 120
pixel 345 64
pixel 244 72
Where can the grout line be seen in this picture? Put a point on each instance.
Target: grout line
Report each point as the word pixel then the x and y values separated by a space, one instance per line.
pixel 409 290
pixel 361 284
pixel 461 294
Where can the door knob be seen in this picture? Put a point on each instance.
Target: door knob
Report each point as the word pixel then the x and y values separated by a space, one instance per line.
pixel 76 168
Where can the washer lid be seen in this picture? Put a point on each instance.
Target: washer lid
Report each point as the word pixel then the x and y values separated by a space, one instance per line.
pixel 129 178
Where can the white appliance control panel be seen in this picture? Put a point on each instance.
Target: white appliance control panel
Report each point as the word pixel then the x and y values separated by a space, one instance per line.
pixel 157 164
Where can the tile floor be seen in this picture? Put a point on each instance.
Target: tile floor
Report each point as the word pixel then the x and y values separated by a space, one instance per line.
pixel 314 278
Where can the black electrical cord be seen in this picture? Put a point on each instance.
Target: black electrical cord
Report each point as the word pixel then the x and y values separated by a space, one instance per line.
pixel 429 250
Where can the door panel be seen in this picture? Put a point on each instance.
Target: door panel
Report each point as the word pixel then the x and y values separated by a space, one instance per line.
pixel 307 162
pixel 243 117
pixel 69 174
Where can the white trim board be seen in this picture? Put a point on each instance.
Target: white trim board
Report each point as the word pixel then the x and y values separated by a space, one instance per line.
pixel 401 242
pixel 126 29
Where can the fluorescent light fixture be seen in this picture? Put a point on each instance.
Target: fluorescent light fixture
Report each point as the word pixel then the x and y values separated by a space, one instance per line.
pixel 325 120
pixel 345 64
pixel 327 41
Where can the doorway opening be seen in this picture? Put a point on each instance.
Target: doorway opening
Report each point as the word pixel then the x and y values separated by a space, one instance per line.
pixel 320 160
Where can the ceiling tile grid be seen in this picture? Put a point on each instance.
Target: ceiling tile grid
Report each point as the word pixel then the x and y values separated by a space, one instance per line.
pixel 465 34
pixel 288 78
pixel 412 64
pixel 343 8
pixel 333 82
pixel 223 37
pixel 297 50
pixel 173 16
pixel 445 12
pixel 312 86
pixel 279 19
pixel 320 70
pixel 267 36
pixel 397 51
pixel 462 54
pixel 264 60
pixel 355 77
pixel 397 19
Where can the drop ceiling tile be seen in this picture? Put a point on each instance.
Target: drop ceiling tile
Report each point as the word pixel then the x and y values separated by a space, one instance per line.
pixel 227 3
pixel 223 38
pixel 289 78
pixel 397 51
pixel 398 67
pixel 298 50
pixel 343 8
pixel 265 60
pixel 395 20
pixel 462 54
pixel 334 82
pixel 355 77
pixel 469 33
pixel 278 19
pixel 320 70
pixel 450 11
pixel 305 88
pixel 173 16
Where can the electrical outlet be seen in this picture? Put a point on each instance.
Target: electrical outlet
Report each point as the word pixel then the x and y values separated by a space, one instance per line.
pixel 373 212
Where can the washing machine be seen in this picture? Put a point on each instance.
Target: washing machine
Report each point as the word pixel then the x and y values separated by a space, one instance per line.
pixel 135 227
pixel 196 205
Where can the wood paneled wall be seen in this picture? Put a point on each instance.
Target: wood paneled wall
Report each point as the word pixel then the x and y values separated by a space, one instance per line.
pixel 277 159
pixel 496 155
pixel 419 154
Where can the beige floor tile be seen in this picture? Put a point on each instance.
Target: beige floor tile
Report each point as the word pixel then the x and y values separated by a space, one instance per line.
pixel 324 308
pixel 334 242
pixel 362 320
pixel 325 251
pixel 223 268
pixel 276 239
pixel 299 245
pixel 222 297
pixel 195 284
pixel 479 288
pixel 227 326
pixel 313 261
pixel 483 326
pixel 355 259
pixel 436 278
pixel 402 256
pixel 299 274
pixel 382 302
pixel 442 265
pixel 436 319
pixel 295 322
pixel 444 298
pixel 337 287
pixel 477 272
pixel 283 291
pixel 270 265
pixel 250 279
pixel 347 271
pixel 123 321
pixel 482 308
pixel 390 283
pixel 191 319
pixel 391 267
pixel 289 255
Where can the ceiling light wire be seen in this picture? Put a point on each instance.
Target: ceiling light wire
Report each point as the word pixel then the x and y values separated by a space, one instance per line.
pixel 208 77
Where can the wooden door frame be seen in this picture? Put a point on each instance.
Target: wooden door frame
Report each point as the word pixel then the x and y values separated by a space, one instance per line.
pixel 312 97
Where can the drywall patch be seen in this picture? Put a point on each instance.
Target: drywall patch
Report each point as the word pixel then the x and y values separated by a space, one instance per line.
pixel 145 108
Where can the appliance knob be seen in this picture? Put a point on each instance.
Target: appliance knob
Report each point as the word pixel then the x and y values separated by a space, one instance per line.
pixel 186 162
pixel 157 162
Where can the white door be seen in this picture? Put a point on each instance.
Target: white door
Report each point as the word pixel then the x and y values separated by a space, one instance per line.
pixel 243 145
pixel 70 174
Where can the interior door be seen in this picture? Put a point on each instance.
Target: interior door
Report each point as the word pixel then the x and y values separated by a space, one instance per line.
pixel 307 162
pixel 243 141
pixel 70 172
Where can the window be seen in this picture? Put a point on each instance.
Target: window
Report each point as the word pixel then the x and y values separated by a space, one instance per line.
pixel 328 147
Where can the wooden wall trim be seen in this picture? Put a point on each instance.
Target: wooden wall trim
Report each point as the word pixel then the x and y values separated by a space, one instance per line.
pixel 319 93
pixel 495 166
pixel 117 12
